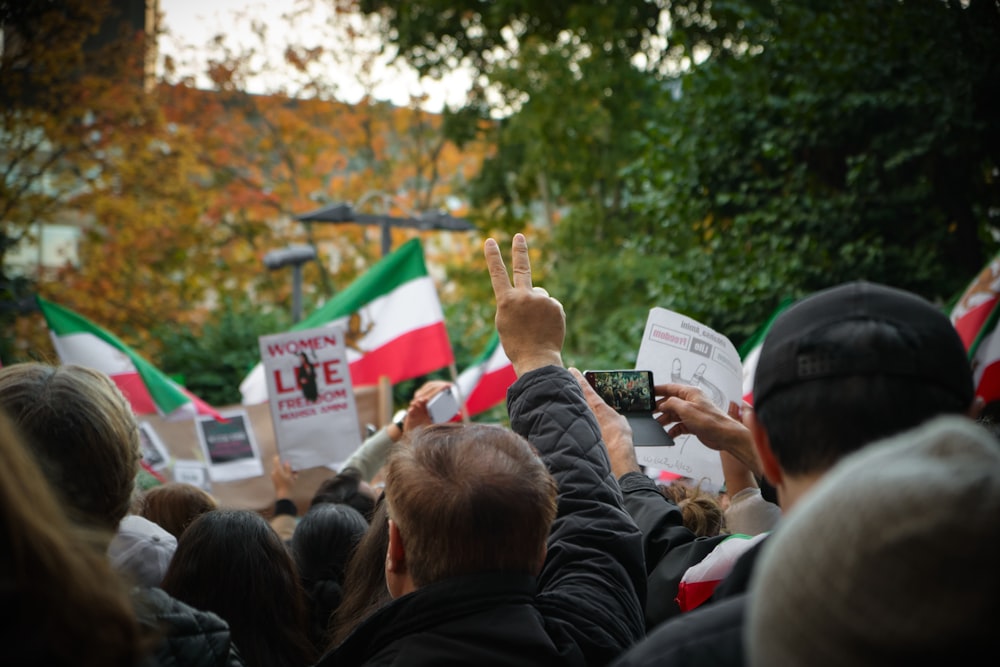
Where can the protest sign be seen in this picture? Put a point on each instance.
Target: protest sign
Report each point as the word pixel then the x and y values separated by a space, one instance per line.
pixel 681 350
pixel 229 447
pixel 312 402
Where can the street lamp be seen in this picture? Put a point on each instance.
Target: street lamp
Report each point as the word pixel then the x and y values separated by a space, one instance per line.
pixel 294 256
pixel 342 213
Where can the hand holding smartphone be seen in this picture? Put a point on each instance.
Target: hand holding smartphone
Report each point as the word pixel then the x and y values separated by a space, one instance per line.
pixel 630 393
pixel 443 406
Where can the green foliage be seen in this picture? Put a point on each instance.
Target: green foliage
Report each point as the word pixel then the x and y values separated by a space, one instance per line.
pixel 213 361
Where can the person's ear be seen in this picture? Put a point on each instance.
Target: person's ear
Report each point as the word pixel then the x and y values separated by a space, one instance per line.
pixel 396 573
pixel 762 443
pixel 976 409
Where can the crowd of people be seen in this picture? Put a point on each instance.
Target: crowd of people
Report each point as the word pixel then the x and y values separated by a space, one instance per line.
pixel 857 526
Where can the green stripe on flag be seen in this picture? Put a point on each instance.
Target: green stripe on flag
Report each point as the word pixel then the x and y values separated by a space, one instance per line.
pixel 757 337
pixel 63 322
pixel 400 267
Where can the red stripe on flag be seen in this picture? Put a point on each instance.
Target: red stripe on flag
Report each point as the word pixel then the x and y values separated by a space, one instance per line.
pixel 135 391
pixel 969 325
pixel 490 390
pixel 411 355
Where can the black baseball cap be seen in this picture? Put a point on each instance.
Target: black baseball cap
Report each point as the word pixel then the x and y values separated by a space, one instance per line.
pixel 932 351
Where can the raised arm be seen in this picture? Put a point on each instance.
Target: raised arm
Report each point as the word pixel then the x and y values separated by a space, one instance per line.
pixel 592 585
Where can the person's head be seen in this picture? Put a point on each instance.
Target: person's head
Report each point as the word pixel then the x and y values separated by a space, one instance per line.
pixel 83 433
pixel 231 562
pixel 175 505
pixel 364 588
pixel 346 488
pixel 322 543
pixel 464 499
pixel 68 606
pixel 889 560
pixel 701 510
pixel 849 365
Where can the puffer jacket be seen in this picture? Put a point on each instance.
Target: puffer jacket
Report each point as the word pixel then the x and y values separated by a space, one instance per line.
pixel 190 637
pixel 586 605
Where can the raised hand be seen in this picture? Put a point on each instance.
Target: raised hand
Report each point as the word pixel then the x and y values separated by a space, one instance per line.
pixel 531 324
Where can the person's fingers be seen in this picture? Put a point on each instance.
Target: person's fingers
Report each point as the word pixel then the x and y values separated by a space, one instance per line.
pixel 520 263
pixel 734 411
pixel 496 267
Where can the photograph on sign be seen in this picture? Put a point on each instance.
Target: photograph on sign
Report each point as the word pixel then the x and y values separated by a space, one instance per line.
pixel 313 409
pixel 230 446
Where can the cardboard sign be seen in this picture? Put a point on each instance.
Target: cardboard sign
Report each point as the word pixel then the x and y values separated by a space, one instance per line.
pixel 312 401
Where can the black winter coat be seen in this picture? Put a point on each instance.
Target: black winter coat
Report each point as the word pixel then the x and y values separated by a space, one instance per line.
pixel 586 605
pixel 191 638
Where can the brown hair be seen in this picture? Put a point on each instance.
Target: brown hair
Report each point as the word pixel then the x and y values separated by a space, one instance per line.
pixel 469 498
pixel 174 505
pixel 71 607
pixel 364 589
pixel 82 432
pixel 701 511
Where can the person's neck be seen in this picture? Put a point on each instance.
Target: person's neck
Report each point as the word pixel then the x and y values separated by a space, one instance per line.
pixel 794 487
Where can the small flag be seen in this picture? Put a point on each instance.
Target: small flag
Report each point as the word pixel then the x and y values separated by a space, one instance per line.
pixel 750 350
pixel 79 341
pixel 485 382
pixel 392 320
pixel 975 317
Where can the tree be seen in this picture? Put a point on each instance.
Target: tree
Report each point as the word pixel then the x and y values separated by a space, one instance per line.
pixel 778 147
pixel 70 75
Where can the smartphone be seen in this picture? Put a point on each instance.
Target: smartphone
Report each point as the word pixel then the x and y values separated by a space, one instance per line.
pixel 443 405
pixel 627 391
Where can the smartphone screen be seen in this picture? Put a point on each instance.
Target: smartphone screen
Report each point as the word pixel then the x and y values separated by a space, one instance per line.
pixel 624 390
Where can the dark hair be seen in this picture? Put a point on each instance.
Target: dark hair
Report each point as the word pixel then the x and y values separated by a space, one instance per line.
pixel 321 544
pixel 82 432
pixel 469 498
pixel 345 488
pixel 812 425
pixel 231 562
pixel 174 505
pixel 364 588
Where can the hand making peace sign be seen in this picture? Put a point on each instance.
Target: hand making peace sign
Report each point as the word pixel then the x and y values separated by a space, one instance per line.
pixel 531 324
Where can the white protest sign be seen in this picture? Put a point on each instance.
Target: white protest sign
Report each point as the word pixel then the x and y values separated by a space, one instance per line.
pixel 681 350
pixel 312 400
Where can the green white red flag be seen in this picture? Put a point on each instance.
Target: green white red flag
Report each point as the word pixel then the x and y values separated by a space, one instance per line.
pixel 79 341
pixel 392 321
pixel 750 351
pixel 485 382
pixel 975 317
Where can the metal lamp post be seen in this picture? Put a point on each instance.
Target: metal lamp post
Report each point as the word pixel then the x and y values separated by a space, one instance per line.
pixel 294 256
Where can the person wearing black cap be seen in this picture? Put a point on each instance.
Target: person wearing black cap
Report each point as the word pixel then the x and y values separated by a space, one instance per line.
pixel 838 370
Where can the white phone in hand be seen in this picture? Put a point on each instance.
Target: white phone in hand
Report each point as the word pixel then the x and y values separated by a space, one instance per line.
pixel 443 405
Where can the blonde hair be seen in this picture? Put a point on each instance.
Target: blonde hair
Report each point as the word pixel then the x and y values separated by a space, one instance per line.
pixel 82 432
pixel 701 511
pixel 72 608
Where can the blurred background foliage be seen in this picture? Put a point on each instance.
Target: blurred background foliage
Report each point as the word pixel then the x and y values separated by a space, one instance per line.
pixel 712 158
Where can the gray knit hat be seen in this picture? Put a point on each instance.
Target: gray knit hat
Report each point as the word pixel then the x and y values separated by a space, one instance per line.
pixel 890 559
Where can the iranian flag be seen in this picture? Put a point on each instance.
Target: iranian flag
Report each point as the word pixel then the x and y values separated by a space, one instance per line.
pixel 485 382
pixel 79 341
pixel 750 351
pixel 392 321
pixel 975 317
